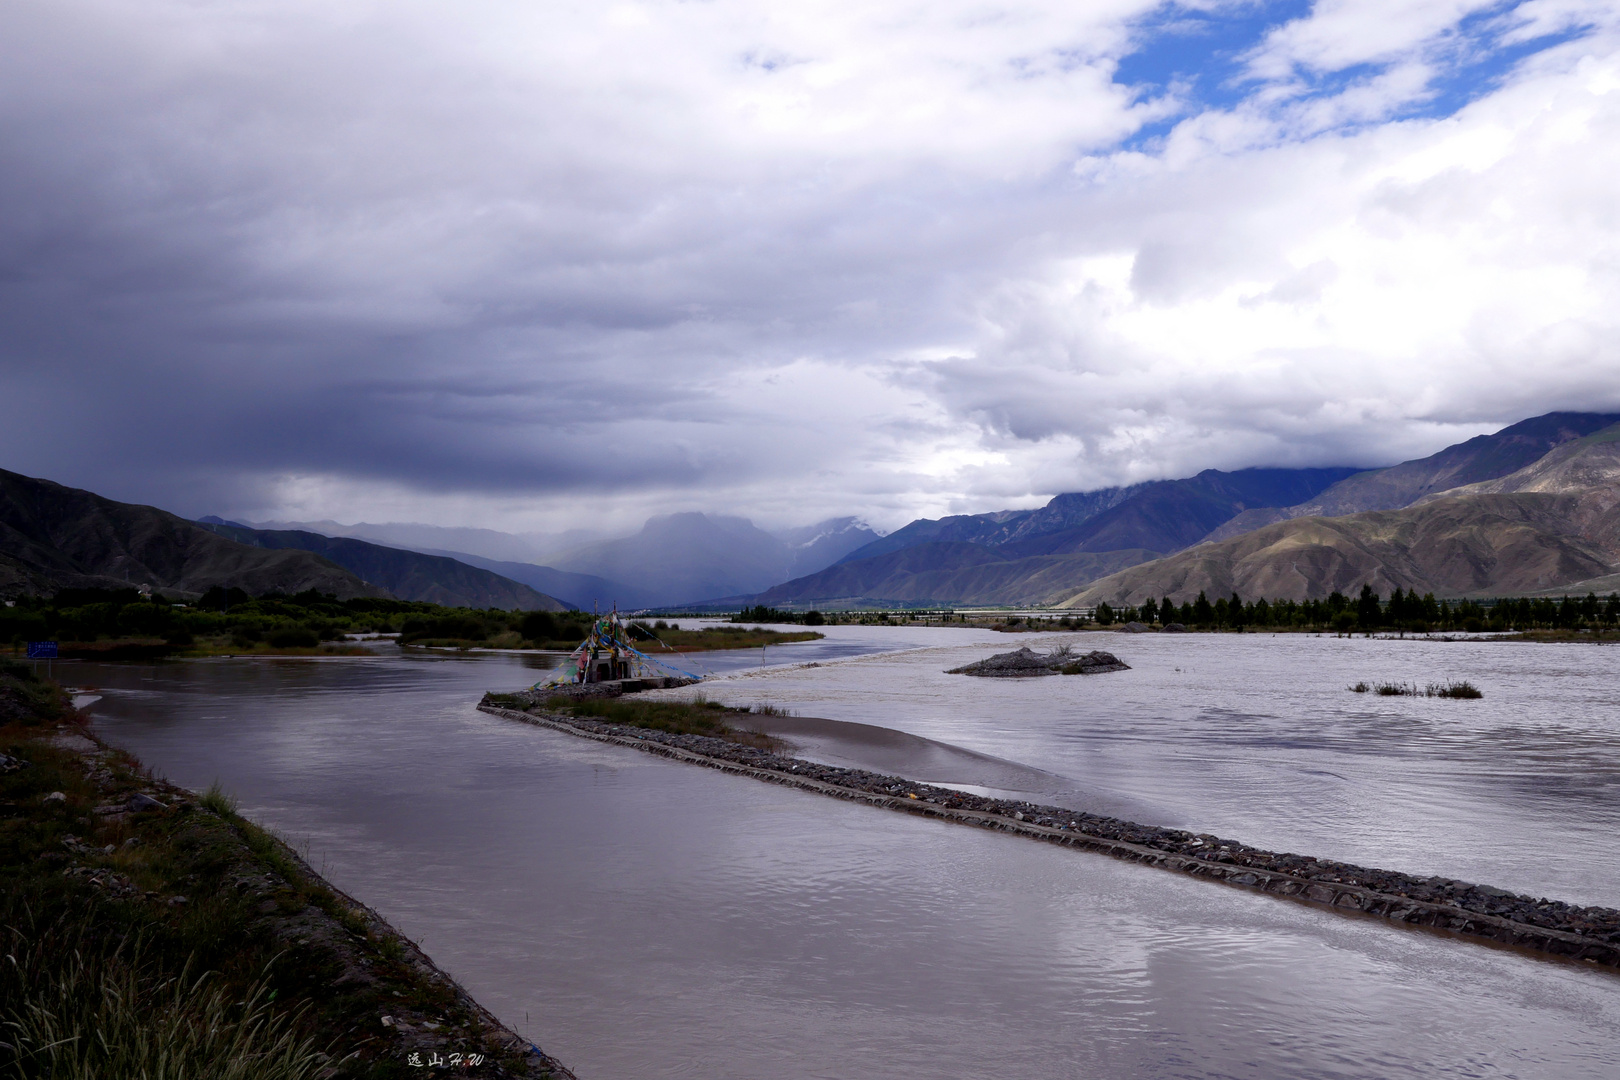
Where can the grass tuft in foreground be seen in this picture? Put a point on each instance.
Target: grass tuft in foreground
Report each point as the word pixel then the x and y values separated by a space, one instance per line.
pixel 84 1008
pixel 218 801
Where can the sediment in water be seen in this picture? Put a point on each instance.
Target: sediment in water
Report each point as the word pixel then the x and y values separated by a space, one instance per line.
pixel 127 828
pixel 1480 912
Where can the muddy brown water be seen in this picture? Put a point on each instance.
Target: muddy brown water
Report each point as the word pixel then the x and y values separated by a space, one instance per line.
pixel 642 918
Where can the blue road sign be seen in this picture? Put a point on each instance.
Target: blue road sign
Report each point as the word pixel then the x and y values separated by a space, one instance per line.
pixel 42 650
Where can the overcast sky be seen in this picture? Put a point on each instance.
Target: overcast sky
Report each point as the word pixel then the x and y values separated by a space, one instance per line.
pixel 536 265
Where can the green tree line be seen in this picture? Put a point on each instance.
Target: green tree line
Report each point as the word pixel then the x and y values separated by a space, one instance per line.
pixel 1368 612
pixel 762 614
pixel 282 621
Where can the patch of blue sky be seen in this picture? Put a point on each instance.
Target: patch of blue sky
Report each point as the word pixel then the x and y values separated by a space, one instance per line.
pixel 1481 60
pixel 1199 54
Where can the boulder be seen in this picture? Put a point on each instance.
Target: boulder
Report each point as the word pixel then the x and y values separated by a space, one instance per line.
pixel 140 803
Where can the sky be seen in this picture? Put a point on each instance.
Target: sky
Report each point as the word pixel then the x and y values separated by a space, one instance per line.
pixel 538 266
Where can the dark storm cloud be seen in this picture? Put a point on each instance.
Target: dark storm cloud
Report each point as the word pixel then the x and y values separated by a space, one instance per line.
pixel 511 261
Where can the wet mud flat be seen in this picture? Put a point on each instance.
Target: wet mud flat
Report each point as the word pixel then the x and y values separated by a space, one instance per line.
pixel 1549 927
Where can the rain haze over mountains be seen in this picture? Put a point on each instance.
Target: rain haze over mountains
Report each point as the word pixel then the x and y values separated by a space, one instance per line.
pixel 656 295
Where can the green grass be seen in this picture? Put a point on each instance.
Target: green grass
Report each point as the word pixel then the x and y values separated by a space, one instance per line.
pixel 699 716
pixel 25 698
pixel 724 637
pixel 216 800
pixel 82 1008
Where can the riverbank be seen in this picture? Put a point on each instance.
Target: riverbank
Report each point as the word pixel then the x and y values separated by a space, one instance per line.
pixel 1548 927
pixel 147 649
pixel 144 916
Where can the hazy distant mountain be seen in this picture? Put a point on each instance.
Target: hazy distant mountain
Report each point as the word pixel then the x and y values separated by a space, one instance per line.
pixel 657 567
pixel 1553 524
pixel 815 547
pixel 944 574
pixel 686 557
pixel 408 575
pixel 1484 457
pixel 513 559
pixel 582 591
pixel 691 557
pixel 54 537
pixel 485 543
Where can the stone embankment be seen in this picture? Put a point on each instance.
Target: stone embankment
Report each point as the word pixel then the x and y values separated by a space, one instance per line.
pixel 1590 934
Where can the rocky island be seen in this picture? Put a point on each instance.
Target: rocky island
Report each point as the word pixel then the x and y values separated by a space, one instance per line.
pixel 1026 663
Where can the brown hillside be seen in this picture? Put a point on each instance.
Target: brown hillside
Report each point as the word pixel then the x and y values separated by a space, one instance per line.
pixel 948 574
pixel 1589 465
pixel 1480 459
pixel 1456 546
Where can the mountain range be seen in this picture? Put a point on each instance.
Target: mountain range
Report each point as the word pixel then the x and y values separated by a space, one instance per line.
pixel 490 544
pixel 1484 457
pixel 54 537
pixel 1531 508
pixel 1032 556
pixel 406 575
pixel 1157 516
pixel 1555 523
pixel 673 560
pixel 1276 532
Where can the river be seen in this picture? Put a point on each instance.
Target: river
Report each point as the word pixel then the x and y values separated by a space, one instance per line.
pixel 641 918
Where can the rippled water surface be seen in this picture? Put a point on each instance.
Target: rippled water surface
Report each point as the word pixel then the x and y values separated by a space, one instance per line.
pixel 1258 738
pixel 642 918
